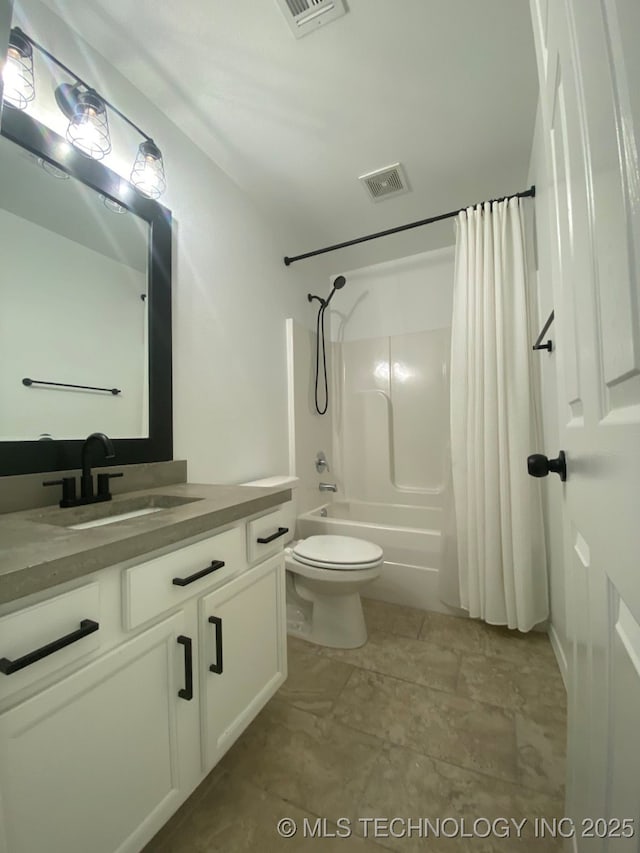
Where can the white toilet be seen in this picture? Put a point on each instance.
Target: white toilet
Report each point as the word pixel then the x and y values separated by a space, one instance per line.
pixel 324 577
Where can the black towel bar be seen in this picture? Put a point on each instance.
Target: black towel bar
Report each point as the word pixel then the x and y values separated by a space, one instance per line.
pixel 27 381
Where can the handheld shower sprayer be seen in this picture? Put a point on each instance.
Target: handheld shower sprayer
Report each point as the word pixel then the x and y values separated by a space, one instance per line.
pixel 338 283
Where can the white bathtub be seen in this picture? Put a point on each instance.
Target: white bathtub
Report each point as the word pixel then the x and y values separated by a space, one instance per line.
pixel 410 537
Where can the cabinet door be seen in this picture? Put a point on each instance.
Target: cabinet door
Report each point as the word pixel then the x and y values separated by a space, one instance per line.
pixel 244 657
pixel 93 763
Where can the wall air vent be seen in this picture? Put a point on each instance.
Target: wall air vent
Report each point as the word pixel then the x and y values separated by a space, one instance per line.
pixel 305 16
pixel 386 182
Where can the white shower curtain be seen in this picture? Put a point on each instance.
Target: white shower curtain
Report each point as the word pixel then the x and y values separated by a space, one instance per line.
pixel 500 535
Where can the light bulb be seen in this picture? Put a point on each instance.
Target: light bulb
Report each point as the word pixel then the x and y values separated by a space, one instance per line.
pixel 88 129
pixel 17 74
pixel 11 74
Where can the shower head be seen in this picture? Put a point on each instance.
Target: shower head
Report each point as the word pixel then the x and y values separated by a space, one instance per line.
pixel 338 284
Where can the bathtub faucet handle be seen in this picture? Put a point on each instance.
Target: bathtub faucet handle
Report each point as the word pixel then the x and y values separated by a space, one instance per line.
pixel 321 462
pixel 328 487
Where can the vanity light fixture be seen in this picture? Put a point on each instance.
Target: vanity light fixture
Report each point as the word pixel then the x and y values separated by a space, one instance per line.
pixel 17 75
pixel 87 111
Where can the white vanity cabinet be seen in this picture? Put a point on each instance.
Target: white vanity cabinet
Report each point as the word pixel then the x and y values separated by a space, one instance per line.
pixel 99 759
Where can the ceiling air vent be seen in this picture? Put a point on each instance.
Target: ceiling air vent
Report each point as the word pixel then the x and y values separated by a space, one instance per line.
pixel 305 16
pixel 385 182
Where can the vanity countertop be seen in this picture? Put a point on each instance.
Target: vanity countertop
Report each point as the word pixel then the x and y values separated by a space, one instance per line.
pixel 36 554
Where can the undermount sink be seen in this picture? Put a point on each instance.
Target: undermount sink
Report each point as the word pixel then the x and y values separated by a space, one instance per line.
pixel 109 512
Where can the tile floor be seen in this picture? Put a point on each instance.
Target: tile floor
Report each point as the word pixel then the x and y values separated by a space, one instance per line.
pixel 435 717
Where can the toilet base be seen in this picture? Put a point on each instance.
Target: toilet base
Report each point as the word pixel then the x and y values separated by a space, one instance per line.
pixel 298 620
pixel 327 619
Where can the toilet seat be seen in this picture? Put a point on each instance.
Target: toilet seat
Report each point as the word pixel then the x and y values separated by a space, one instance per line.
pixel 338 577
pixel 338 553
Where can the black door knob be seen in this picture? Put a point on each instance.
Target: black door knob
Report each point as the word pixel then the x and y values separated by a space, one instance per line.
pixel 539 465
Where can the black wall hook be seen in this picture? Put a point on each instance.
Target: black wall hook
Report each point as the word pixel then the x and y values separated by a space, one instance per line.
pixel 549 344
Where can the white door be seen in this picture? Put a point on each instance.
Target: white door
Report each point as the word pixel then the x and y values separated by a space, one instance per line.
pixel 589 69
pixel 93 763
pixel 244 653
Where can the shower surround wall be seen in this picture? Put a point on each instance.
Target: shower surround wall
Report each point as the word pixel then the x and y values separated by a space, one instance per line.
pixel 389 420
pixel 392 420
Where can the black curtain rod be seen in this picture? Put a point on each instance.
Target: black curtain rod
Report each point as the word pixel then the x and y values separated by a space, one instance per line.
pixel 530 193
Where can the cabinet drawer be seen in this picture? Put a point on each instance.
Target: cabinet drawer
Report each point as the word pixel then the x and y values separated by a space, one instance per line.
pixel 269 529
pixel 164 582
pixel 47 636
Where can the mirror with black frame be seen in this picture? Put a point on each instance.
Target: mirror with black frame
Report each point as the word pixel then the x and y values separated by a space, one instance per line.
pixel 85 306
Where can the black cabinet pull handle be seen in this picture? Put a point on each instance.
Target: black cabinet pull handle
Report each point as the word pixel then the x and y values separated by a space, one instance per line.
pixel 280 532
pixel 217 666
pixel 186 692
pixel 87 626
pixel 215 565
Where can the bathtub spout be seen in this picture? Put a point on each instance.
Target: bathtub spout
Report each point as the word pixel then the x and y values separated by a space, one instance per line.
pixel 328 487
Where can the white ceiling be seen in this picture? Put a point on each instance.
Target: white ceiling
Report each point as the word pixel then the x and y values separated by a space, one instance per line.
pixel 447 87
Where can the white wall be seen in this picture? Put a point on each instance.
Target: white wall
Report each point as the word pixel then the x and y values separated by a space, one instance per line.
pixel 231 291
pixel 551 486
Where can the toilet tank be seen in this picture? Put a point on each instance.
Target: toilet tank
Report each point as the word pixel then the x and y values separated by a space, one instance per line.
pixel 289 509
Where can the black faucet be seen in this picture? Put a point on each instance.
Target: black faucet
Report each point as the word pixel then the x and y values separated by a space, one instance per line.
pixel 86 482
pixel 87 495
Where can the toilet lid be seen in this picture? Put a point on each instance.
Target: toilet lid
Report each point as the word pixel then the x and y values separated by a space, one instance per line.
pixel 337 551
